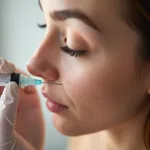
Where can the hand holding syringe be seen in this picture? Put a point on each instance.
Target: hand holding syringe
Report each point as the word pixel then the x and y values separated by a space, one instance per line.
pixel 21 80
pixel 21 119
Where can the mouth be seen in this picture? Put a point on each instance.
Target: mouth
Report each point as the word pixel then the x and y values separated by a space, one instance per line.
pixel 54 106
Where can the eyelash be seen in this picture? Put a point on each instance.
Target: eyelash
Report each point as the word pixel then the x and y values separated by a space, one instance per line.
pixel 66 49
pixel 72 52
pixel 42 26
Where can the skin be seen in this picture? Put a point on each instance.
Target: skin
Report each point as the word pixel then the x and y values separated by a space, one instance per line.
pixel 106 89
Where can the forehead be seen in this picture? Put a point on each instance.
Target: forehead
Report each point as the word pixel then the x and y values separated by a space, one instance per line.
pixel 88 6
pixel 104 13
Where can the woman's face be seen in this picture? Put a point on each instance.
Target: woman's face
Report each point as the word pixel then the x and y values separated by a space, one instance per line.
pixel 101 86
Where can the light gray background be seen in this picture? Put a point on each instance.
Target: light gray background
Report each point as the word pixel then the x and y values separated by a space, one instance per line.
pixel 19 37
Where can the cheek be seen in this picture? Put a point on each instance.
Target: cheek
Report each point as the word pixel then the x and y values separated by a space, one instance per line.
pixel 78 83
pixel 88 90
pixel 107 91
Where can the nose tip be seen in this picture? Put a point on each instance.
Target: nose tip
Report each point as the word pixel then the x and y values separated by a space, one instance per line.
pixel 47 72
pixel 32 70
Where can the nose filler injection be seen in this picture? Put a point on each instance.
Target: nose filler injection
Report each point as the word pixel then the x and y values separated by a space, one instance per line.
pixel 20 79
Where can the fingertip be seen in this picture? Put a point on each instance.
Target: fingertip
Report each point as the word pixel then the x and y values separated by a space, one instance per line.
pixel 12 67
pixel 14 85
pixel 1 60
pixel 6 67
pixel 30 89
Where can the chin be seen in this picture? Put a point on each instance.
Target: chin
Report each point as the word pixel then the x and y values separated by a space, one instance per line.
pixel 66 127
pixel 67 130
pixel 70 127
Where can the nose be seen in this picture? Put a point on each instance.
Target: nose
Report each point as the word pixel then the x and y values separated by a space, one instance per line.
pixel 44 61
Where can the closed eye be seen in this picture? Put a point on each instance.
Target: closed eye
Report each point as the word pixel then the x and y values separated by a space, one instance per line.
pixel 72 52
pixel 42 26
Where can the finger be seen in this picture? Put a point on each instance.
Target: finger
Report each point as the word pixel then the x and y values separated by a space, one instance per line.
pixel 8 109
pixel 6 67
pixel 30 89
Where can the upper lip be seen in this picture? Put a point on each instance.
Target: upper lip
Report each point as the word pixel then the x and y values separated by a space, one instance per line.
pixel 49 98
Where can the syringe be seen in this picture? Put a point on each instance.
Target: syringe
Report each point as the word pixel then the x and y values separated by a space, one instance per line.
pixel 21 80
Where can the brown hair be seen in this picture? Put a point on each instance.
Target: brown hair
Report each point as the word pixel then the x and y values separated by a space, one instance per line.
pixel 147 132
pixel 140 13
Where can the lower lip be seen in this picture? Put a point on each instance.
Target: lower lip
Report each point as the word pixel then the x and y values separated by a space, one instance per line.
pixel 55 107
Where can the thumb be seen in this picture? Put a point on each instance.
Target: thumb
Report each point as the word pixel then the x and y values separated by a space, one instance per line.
pixel 8 109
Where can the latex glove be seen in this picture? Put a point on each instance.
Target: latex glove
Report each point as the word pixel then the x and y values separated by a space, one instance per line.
pixel 9 138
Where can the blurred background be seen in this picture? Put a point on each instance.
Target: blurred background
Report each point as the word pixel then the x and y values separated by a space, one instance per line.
pixel 19 37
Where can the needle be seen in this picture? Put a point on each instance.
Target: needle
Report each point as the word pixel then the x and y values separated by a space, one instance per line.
pixel 51 83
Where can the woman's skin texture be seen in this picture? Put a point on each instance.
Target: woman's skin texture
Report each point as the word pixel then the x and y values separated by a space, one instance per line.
pixel 106 88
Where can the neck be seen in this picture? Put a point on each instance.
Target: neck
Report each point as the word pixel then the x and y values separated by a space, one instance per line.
pixel 127 136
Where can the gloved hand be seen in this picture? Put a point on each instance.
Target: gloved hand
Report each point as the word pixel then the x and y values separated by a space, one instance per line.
pixel 9 138
pixel 15 133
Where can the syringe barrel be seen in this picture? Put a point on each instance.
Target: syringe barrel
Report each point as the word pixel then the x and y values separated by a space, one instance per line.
pixel 6 78
pixel 20 79
pixel 25 81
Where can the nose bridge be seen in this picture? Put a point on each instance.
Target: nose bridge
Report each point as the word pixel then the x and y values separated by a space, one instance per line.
pixel 44 59
pixel 49 43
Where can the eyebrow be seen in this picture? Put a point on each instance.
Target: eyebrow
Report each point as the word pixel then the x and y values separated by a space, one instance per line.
pixel 63 15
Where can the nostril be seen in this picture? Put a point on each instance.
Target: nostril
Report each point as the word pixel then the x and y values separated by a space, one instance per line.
pixel 43 69
pixel 65 40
